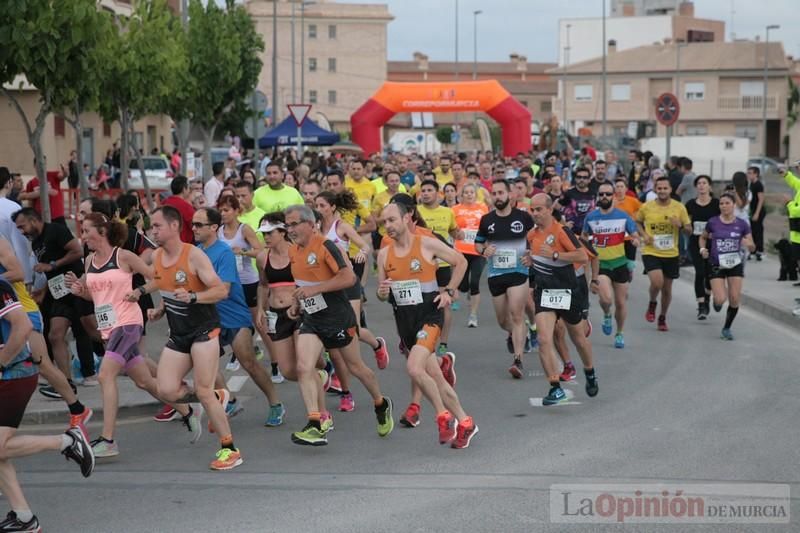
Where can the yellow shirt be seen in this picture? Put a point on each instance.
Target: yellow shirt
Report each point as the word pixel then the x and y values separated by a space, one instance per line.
pixel 355 219
pixel 656 221
pixel 380 201
pixel 440 219
pixel 380 186
pixel 364 190
pixel 442 178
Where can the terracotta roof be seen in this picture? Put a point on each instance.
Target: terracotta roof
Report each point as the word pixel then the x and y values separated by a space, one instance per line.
pixel 719 56
pixel 465 67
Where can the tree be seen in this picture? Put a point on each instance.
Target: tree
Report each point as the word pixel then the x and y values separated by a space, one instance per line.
pixel 50 44
pixel 224 64
pixel 140 74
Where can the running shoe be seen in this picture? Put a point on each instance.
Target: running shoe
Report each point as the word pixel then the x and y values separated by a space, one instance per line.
pixel 650 315
pixel 233 365
pixel 326 422
pixel 166 414
pixel 591 383
pixel 193 422
pixel 607 324
pixel 326 379
pixel 662 323
pixel 619 341
pixel 510 344
pixel 588 328
pixel 472 321
pixel 410 418
pixel 277 377
pixel 259 352
pixel 233 408
pixel 569 373
pixel 447 427
pixel 226 459
pixel 555 396
pixel 224 397
pixel 382 353
pixel 335 385
pixel 402 347
pixel 533 335
pixel 385 419
pixel 455 306
pixel 79 451
pixel 527 347
pixel 13 523
pixel 49 392
pixel 447 363
pixel 103 447
pixel 276 415
pixel 702 311
pixel 310 435
pixel 465 430
pixel 726 334
pixel 91 381
pixel 346 403
pixel 516 369
pixel 80 421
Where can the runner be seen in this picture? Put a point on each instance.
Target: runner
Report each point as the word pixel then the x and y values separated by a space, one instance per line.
pixel 17 382
pixel 322 276
pixel 609 226
pixel 579 200
pixel 407 278
pixel 189 289
pixel 501 239
pixel 275 195
pixel 108 280
pixel 629 204
pixel 468 215
pixel 554 254
pixel 701 209
pixel 726 233
pixel 659 222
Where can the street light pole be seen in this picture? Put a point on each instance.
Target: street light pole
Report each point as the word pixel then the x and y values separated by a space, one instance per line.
pixel 274 62
pixel 766 77
pixel 671 129
pixel 564 83
pixel 458 134
pixel 605 75
pixel 294 60
pixel 475 43
pixel 185 126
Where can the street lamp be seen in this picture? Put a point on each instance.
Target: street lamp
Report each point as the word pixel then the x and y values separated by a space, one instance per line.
pixel 604 68
pixel 564 83
pixel 274 62
pixel 303 48
pixel 456 45
pixel 294 83
pixel 766 73
pixel 475 43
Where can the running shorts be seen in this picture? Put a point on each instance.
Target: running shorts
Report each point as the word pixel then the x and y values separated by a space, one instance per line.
pixel 443 276
pixel 620 274
pixel 123 345
pixel 183 343
pixel 498 285
pixel 284 326
pixel 716 272
pixel 251 294
pixel 669 266
pixel 574 315
pixel 14 397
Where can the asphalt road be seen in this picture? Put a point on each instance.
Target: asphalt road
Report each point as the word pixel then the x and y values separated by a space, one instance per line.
pixel 682 407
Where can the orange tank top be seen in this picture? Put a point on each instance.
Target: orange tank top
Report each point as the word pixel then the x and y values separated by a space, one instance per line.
pixel 412 266
pixel 177 276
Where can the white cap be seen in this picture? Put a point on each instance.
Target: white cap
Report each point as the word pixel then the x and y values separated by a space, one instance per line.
pixel 266 227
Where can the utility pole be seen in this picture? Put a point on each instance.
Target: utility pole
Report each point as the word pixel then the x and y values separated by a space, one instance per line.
pixel 605 74
pixel 458 133
pixel 475 44
pixel 766 81
pixel 564 84
pixel 274 62
pixel 294 61
pixel 185 126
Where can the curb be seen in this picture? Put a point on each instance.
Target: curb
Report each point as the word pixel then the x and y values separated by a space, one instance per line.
pixel 61 416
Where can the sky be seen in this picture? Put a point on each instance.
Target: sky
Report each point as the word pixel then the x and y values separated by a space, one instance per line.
pixel 530 27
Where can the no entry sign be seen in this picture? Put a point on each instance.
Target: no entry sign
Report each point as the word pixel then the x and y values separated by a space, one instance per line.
pixel 667 109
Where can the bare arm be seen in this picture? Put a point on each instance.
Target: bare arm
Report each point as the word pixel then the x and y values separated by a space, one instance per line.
pixel 10 262
pixel 441 251
pixel 135 264
pixel 384 284
pixel 368 226
pixel 21 328
pixel 252 239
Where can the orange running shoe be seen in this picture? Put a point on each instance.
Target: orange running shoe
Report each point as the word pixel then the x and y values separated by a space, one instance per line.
pixel 464 432
pixel 447 427
pixel 226 459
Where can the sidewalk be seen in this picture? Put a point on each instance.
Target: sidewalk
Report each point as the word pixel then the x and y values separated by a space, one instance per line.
pixel 762 292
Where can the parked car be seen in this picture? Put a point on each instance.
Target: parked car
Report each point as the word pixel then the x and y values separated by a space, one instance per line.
pixel 766 164
pixel 159 175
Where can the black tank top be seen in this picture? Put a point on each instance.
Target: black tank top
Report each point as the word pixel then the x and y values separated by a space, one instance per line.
pixel 278 276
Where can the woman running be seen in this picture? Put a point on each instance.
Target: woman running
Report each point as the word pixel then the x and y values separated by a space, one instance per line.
pixel 726 233
pixel 341 234
pixel 450 195
pixel 701 209
pixel 741 195
pixel 468 217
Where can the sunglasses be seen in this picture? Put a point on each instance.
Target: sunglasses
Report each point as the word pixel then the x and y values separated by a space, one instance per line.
pixel 602 194
pixel 200 224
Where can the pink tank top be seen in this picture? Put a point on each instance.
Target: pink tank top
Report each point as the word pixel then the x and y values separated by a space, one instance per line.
pixel 109 284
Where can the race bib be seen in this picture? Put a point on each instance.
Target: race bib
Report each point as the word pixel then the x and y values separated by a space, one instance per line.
pixel 314 304
pixel 504 259
pixel 469 236
pixel 556 299
pixel 408 292
pixel 730 260
pixel 698 227
pixel 664 242
pixel 57 287
pixel 239 263
pixel 272 322
pixel 105 316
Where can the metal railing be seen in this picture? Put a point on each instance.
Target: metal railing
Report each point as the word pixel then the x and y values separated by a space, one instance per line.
pixel 746 103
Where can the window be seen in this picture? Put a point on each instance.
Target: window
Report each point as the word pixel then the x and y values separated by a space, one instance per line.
pixel 545 106
pixel 106 129
pixel 332 97
pixel 583 93
pixel 620 92
pixel 696 129
pixel 694 90
pixel 332 31
pixel 312 96
pixel 331 64
pixel 751 88
pixel 312 31
pixel 58 125
pixel 747 131
pixel 312 64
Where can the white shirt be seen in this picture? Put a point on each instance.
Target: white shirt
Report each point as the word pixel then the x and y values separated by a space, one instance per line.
pixel 20 244
pixel 211 191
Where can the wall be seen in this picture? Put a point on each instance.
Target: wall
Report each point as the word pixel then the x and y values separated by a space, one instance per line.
pixel 629 32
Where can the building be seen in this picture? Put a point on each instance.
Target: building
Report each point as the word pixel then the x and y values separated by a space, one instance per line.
pixel 339 57
pixel 720 88
pixel 580 38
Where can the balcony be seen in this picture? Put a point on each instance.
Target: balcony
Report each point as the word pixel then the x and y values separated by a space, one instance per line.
pixel 746 103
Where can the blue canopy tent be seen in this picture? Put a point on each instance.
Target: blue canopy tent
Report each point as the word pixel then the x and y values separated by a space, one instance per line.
pixel 285 134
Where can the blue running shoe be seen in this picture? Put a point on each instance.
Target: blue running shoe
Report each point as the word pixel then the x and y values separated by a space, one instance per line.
pixel 533 337
pixel 555 396
pixel 726 334
pixel 455 306
pixel 607 325
pixel 591 383
pixel 619 341
pixel 276 415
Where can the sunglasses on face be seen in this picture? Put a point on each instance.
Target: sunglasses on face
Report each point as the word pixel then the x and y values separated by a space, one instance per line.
pixel 602 194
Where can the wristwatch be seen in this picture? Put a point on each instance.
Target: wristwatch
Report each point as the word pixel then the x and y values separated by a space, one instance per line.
pixel 141 290
pixel 53 265
pixel 192 297
pixel 450 292
pixel 555 256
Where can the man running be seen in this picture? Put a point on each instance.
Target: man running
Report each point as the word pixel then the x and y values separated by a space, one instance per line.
pixel 407 278
pixel 275 195
pixel 501 239
pixel 578 201
pixel 322 275
pixel 189 289
pixel 659 222
pixel 609 226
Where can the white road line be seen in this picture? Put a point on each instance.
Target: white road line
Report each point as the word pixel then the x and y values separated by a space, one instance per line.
pixel 236 383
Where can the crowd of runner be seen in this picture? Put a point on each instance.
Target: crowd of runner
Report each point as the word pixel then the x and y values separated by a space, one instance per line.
pixel 284 261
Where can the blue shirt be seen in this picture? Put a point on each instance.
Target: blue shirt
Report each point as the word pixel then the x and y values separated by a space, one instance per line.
pixel 233 310
pixel 21 365
pixel 408 179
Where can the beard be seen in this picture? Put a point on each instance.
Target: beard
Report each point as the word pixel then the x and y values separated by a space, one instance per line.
pixel 500 204
pixel 604 204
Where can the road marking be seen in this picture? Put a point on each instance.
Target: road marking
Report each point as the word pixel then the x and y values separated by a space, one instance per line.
pixel 539 402
pixel 236 383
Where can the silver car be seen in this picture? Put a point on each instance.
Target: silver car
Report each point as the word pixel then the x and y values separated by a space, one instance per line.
pixel 159 174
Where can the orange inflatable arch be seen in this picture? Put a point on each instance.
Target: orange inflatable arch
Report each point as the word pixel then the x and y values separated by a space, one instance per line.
pixel 467 96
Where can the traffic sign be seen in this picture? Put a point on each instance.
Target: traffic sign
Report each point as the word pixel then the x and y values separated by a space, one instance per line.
pixel 258 132
pixel 667 109
pixel 257 101
pixel 299 112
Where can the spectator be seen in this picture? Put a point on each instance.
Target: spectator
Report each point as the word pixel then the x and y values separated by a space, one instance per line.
pixel 180 200
pixel 686 188
pixel 73 175
pixel 757 209
pixel 54 178
pixel 215 185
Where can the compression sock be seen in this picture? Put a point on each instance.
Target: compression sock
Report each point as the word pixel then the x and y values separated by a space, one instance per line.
pixel 76 408
pixel 227 442
pixel 730 315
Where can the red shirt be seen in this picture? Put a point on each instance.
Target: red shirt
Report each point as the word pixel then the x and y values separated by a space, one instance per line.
pixel 187 212
pixel 56 201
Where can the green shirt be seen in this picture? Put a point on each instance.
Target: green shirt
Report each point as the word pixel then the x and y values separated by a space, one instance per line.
pixel 271 200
